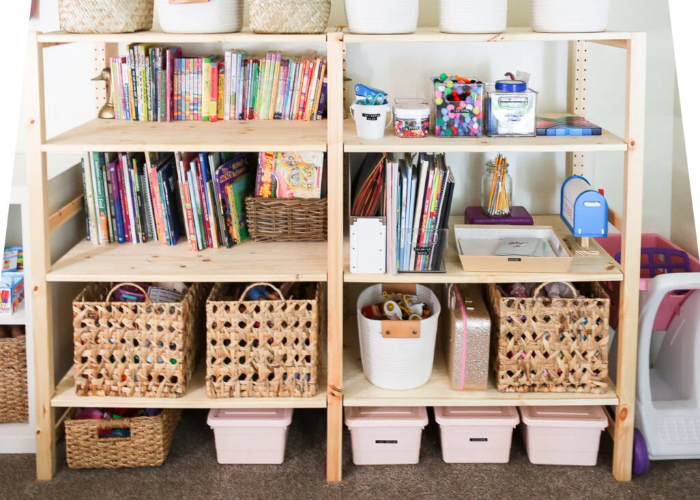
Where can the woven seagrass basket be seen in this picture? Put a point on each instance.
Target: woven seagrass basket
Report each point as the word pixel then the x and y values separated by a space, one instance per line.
pixel 14 405
pixel 148 445
pixel 136 349
pixel 289 16
pixel 281 219
pixel 551 345
pixel 262 348
pixel 105 16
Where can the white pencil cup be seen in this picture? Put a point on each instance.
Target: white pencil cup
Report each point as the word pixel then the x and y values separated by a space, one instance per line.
pixel 371 121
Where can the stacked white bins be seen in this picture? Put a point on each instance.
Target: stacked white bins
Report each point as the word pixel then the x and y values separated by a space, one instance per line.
pixel 563 435
pixel 386 436
pixel 476 435
pixel 249 436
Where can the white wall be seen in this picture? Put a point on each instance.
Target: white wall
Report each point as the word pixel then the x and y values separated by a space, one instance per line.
pixel 403 71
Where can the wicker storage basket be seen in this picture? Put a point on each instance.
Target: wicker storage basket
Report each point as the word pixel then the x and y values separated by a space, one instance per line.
pixel 135 349
pixel 551 345
pixel 261 348
pixel 282 219
pixel 14 405
pixel 289 16
pixel 148 445
pixel 105 16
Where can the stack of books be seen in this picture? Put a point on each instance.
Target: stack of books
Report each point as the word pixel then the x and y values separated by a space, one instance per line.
pixel 133 198
pixel 159 84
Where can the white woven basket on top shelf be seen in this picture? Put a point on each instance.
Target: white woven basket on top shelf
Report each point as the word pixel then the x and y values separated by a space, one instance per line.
pixel 569 16
pixel 473 16
pixel 381 17
pixel 397 363
pixel 191 16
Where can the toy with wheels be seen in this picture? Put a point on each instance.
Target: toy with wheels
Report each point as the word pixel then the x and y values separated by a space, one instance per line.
pixel 668 395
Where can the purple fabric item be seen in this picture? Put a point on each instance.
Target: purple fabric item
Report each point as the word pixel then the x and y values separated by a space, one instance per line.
pixel 518 217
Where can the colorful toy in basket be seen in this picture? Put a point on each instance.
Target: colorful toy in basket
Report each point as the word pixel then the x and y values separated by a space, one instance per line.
pixel 459 106
pixel 397 307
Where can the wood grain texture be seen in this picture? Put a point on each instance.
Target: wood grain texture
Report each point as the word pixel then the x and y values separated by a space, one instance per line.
pixel 66 213
pixel 631 248
pixel 598 268
pixel 236 136
pixel 153 261
pixel 160 37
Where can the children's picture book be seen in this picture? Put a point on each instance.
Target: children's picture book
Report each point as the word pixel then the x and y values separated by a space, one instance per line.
pixel 299 175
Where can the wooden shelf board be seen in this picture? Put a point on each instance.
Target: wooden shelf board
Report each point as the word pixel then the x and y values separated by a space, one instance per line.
pixel 600 268
pixel 391 143
pixel 153 261
pixel 515 34
pixel 19 317
pixel 358 391
pixel 237 136
pixel 161 37
pixel 65 397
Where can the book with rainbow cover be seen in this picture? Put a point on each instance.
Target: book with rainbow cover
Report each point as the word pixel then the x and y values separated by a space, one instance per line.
pixel 566 125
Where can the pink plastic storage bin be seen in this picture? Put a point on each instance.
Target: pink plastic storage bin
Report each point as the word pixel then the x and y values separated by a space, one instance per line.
pixel 652 264
pixel 476 435
pixel 563 435
pixel 248 436
pixel 386 436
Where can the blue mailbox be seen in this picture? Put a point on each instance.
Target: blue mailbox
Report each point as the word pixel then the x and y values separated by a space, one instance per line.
pixel 583 210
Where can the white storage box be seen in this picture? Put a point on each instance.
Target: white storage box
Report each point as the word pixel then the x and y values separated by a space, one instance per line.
pixel 570 16
pixel 200 16
pixel 398 355
pixel 368 245
pixel 473 16
pixel 476 435
pixel 563 435
pixel 386 436
pixel 249 436
pixel 381 17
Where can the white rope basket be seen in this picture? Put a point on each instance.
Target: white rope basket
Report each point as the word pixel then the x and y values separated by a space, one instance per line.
pixel 214 16
pixel 381 16
pixel 473 16
pixel 570 16
pixel 397 363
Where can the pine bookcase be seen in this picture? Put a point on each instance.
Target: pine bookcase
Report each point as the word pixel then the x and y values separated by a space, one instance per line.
pixel 322 262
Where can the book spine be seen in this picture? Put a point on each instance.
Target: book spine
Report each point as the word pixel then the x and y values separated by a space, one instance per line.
pixel 201 192
pixel 322 99
pixel 108 198
pixel 114 87
pixel 101 204
pixel 169 84
pixel 198 87
pixel 134 215
pixel 195 208
pixel 220 109
pixel 205 76
pixel 156 201
pixel 140 83
pixel 90 199
pixel 214 92
pixel 88 230
pixel 311 94
pixel 164 206
pixel 116 203
pixel 231 200
pixel 319 84
pixel 228 72
pixel 133 87
pixel 124 201
pixel 148 74
pixel 126 97
pixel 304 90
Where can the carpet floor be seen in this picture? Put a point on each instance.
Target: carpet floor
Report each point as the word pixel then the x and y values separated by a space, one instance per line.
pixel 192 472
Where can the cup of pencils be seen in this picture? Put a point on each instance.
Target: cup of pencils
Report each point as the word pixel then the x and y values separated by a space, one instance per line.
pixel 497 188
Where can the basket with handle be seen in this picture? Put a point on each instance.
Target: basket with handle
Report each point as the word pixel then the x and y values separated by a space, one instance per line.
pixel 14 405
pixel 262 348
pixel 135 349
pixel 289 16
pixel 147 446
pixel 398 355
pixel 545 344
pixel 105 16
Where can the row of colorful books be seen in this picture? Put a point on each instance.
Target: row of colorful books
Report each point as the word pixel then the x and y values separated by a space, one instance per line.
pixel 157 84
pixel 415 195
pixel 134 198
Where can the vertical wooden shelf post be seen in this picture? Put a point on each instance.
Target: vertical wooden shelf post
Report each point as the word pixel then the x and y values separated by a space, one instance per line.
pixel 631 248
pixel 335 258
pixel 576 98
pixel 40 257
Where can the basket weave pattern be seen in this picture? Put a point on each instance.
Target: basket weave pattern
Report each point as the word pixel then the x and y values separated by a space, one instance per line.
pixel 289 16
pixel 261 348
pixel 105 16
pixel 14 405
pixel 148 445
pixel 136 349
pixel 551 345
pixel 279 219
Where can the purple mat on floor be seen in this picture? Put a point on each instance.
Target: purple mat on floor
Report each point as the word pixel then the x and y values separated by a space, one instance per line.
pixel 518 217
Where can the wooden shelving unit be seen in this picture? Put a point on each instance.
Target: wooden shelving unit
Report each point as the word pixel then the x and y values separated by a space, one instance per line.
pixel 324 262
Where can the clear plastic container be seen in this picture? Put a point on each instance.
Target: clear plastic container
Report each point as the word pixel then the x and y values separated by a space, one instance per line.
pixel 411 117
pixel 421 251
pixel 511 109
pixel 496 190
pixel 459 108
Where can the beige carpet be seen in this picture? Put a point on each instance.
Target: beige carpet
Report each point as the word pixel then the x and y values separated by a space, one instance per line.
pixel 192 472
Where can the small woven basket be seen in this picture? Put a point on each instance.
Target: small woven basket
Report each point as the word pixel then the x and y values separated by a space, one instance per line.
pixel 136 349
pixel 551 345
pixel 261 348
pixel 289 16
pixel 148 445
pixel 14 407
pixel 281 219
pixel 105 16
